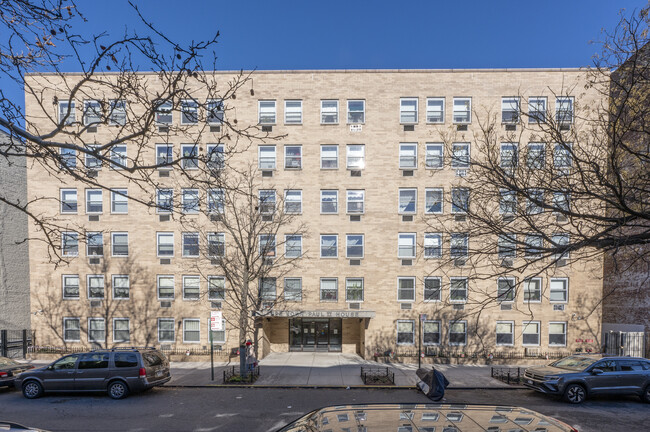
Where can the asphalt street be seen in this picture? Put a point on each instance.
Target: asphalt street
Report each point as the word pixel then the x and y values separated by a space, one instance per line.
pixel 245 409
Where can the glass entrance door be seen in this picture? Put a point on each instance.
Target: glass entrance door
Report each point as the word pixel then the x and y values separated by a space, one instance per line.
pixel 322 335
pixel 318 334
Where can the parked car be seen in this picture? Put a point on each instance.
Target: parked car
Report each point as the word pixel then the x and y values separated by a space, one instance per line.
pixel 15 427
pixel 116 371
pixel 10 369
pixel 580 376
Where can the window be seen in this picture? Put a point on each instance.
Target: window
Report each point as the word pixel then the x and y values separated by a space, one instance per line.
pixel 431 333
pixel 293 201
pixel 293 289
pixel 533 245
pixel 462 110
pixel 533 290
pixel 561 243
pixel 458 333
pixel 69 244
pixel 118 157
pixel 562 202
pixel 329 156
pixel 267 245
pixel 557 334
pixel 356 111
pixel 267 288
pixel 354 246
pixel 190 155
pixel 406 245
pixel 507 202
pixel 71 330
pixel 119 201
pixel 459 200
pixel 405 332
pixel 293 112
pixel 95 286
pixel 216 244
pixel 68 200
pixel 406 289
pixel 460 157
pixel 509 156
pixel 165 287
pixel 121 287
pixel 432 245
pixel 190 243
pixel 70 286
pixel 166 330
pixel 165 242
pixel 329 245
pixel 535 202
pixel 267 201
pixel 215 111
pixel 191 330
pixel 434 156
pixel 458 289
pixel 216 201
pixel 562 157
pixel 564 110
pixel 530 333
pixel 355 201
pixel 68 158
pixel 293 157
pixel 117 115
pixel 433 201
pixel 408 199
pixel 408 156
pixel 329 201
pixel 164 155
pixel 94 244
pixel 329 290
pixel 267 157
pixel 510 110
pixel 218 336
pixel 216 160
pixel 432 289
pixel 329 111
pixel 216 288
pixel 536 110
pixel 408 110
pixel 189 111
pixel 506 289
pixel 190 201
pixel 191 287
pixel 119 244
pixel 507 245
pixel 266 112
pixel 356 157
pixel 458 245
pixel 163 111
pixel 435 110
pixel 94 202
pixel 67 112
pixel 354 289
pixel 505 333
pixel 92 112
pixel 96 330
pixel 559 292
pixel 165 200
pixel 92 161
pixel 293 246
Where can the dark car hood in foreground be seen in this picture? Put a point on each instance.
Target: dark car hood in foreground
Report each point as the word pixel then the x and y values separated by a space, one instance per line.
pixel 390 417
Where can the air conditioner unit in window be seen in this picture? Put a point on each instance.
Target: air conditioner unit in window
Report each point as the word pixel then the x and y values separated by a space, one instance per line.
pixel 565 126
pixel 215 128
pixel 267 218
pixel 508 217
pixel 215 305
pixel 459 262
pixel 561 263
pixel 506 306
pixel 511 127
pixel 461 173
pixel 409 128
pixel 407 262
pixel 93 218
pixel 354 305
pixel 267 261
pixel 461 127
pixel 458 306
pixel 406 218
pixel 92 173
pixel 460 218
pixel 95 303
pixel 355 262
pixel 407 173
pixel 267 128
pixel 215 261
pixel 163 173
pixel 293 164
pixel 163 218
pixel 355 218
pixel 406 306
pixel 163 129
pixel 267 173
pixel 216 217
pixel 93 260
pixel 531 352
pixel 558 307
pixel 91 129
pixel 561 218
pixel 165 261
pixel 355 173
pixel 507 262
pixel 165 304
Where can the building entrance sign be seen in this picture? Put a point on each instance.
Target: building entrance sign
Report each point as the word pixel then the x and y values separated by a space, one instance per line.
pixel 316 314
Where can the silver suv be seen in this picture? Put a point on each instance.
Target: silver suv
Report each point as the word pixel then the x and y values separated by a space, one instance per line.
pixel 116 371
pixel 578 376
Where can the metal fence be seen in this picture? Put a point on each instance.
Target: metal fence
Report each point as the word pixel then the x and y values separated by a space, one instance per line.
pixel 232 376
pixel 625 344
pixel 508 375
pixel 376 376
pixel 15 343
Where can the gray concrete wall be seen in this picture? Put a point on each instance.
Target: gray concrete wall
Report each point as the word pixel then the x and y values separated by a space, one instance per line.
pixel 14 252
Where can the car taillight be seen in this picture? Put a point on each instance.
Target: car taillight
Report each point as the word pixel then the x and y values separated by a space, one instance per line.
pixel 3 374
pixel 143 373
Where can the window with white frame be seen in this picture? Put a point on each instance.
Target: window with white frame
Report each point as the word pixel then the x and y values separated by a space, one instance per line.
pixel 293 245
pixel 462 110
pixel 355 201
pixel 267 287
pixel 329 156
pixel 506 289
pixel 95 287
pixel 191 287
pixel 408 110
pixel 216 160
pixel 69 201
pixel 166 330
pixel 267 157
pixel 533 290
pixel 216 244
pixel 509 156
pixel 432 288
pixel 92 112
pixel 165 287
pixel 67 112
pixel 533 245
pixel 190 201
pixel 510 110
pixel 408 199
pixel 405 332
pixel 293 289
pixel 216 288
pixel 163 110
pixel 293 201
pixel 408 156
pixel 70 286
pixel 406 289
pixel 459 245
pixel 432 245
pixel 435 110
pixel 564 110
pixel 459 200
pixel 121 287
pixel 354 246
pixel 431 332
pixel 354 289
pixel 507 245
pixel 118 157
pixel 68 158
pixel 505 333
pixel 191 330
pixel 267 201
pixel 530 333
pixel 96 330
pixel 215 111
pixel 165 244
pixel 433 200
pixel 329 245
pixel 458 333
pixel 117 114
pixel 329 201
pixel 562 157
pixel 536 109
pixel 164 200
pixel 507 202
pixel 120 244
pixel 356 111
pixel 189 111
pixel 266 112
pixel 329 289
pixel 119 201
pixel 329 111
pixel 164 155
pixel 460 157
pixel 561 243
pixel 557 334
pixel 190 244
pixel 458 289
pixel 190 155
pixel 293 157
pixel 559 290
pixel 293 112
pixel 216 201
pixel 94 244
pixel 267 245
pixel 406 245
pixel 92 162
pixel 71 329
pixel 356 156
pixel 69 244
pixel 434 158
pixel 535 201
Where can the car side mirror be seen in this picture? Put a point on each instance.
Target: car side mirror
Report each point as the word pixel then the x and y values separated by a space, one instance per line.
pixel 596 371
pixel 50 367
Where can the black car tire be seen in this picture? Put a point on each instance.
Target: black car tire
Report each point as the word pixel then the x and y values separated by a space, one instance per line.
pixel 32 389
pixel 645 397
pixel 118 390
pixel 575 394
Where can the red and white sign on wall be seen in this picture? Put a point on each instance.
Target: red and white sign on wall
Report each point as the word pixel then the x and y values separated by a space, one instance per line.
pixel 216 320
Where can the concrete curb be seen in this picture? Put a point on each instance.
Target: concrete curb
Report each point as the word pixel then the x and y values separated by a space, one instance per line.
pixel 318 386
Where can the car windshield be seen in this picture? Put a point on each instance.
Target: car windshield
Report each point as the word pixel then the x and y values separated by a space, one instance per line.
pixel 574 363
pixel 4 362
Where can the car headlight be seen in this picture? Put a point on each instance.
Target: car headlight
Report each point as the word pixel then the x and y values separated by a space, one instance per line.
pixel 552 378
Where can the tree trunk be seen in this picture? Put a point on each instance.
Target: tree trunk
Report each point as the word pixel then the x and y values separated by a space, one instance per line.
pixel 243 321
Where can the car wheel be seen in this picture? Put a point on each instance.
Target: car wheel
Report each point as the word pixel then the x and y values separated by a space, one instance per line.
pixel 646 394
pixel 575 394
pixel 118 390
pixel 32 389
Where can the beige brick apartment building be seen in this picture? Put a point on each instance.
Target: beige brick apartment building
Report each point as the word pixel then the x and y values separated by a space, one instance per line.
pixel 366 156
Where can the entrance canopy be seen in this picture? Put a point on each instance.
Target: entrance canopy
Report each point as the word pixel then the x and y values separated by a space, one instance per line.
pixel 315 314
